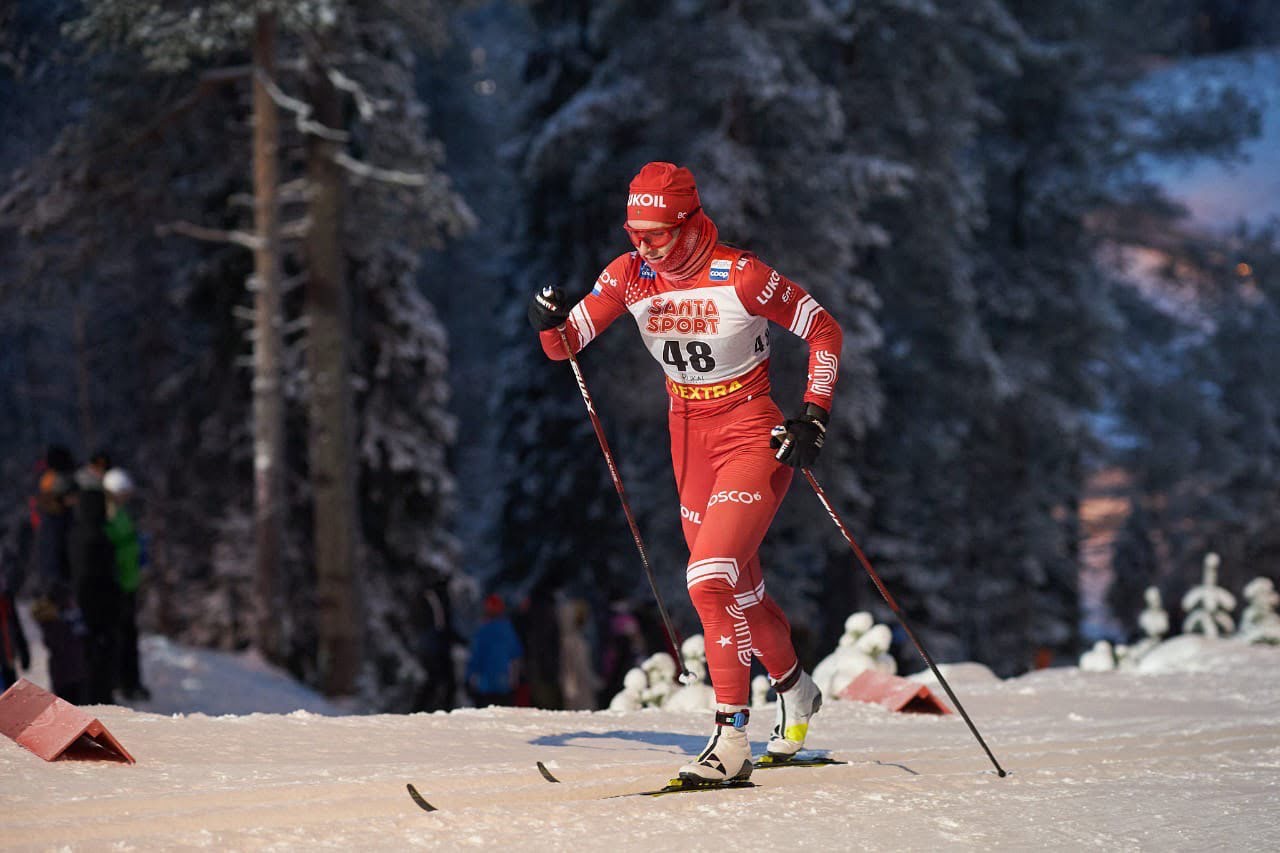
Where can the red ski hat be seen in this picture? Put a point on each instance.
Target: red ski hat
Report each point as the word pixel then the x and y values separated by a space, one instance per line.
pixel 662 192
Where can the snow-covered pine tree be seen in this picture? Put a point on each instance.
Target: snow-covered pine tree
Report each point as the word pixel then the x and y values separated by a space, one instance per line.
pixel 766 135
pixel 398 204
pixel 1192 419
pixel 1154 622
pixel 1260 623
pixel 1208 606
pixel 947 488
pixel 170 40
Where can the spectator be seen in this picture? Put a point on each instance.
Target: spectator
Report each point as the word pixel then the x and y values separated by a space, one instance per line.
pixel 436 640
pixel 579 681
pixel 494 667
pixel 624 649
pixel 15 654
pixel 124 540
pixel 93 577
pixel 61 625
pixel 539 632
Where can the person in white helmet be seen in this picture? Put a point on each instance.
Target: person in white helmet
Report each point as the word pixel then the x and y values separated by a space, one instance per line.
pixel 128 550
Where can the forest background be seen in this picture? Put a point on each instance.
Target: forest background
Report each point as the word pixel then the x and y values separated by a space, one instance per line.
pixel 275 256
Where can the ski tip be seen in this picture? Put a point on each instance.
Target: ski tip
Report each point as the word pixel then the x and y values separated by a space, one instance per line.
pixel 546 774
pixel 418 798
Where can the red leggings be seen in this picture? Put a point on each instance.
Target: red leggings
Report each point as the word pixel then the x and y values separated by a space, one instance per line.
pixel 730 487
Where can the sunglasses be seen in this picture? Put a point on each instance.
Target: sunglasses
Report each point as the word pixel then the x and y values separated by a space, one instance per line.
pixel 655 237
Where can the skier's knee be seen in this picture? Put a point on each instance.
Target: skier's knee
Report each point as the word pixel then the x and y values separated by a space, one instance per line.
pixel 712 579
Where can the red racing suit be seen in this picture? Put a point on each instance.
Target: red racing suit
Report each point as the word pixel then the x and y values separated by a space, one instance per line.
pixel 711 336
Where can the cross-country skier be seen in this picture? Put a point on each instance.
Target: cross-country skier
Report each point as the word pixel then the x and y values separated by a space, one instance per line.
pixel 704 309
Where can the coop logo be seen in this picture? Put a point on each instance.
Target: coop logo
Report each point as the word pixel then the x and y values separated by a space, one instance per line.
pixel 646 271
pixel 646 200
pixel 606 278
pixel 689 515
pixel 719 271
pixel 683 316
pixel 734 498
pixel 769 288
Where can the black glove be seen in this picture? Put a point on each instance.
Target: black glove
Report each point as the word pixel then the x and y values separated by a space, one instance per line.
pixel 548 309
pixel 799 440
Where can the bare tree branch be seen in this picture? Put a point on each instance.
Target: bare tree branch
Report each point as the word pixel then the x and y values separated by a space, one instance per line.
pixel 365 104
pixel 295 230
pixel 390 176
pixel 297 191
pixel 302 111
pixel 296 326
pixel 212 235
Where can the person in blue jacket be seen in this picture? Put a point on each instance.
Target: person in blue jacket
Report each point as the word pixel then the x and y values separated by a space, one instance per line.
pixel 494 667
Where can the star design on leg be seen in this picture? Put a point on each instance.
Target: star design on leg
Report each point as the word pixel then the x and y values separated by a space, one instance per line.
pixel 724 641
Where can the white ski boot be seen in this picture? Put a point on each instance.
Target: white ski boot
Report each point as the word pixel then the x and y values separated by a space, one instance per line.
pixel 727 755
pixel 798 701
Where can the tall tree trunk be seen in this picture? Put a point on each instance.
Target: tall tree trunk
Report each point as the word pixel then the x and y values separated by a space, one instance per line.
pixel 84 375
pixel 268 402
pixel 332 457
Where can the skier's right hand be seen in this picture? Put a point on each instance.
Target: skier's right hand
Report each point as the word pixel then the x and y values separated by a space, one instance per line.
pixel 548 309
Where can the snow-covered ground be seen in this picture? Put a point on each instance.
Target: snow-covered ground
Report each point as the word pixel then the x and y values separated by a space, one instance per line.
pixel 1183 758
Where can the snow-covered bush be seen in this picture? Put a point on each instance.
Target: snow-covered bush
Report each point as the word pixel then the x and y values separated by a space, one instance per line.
pixel 760 687
pixel 631 697
pixel 660 671
pixel 698 696
pixel 864 645
pixel 1100 658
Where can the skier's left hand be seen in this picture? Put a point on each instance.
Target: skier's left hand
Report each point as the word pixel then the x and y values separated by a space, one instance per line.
pixel 799 440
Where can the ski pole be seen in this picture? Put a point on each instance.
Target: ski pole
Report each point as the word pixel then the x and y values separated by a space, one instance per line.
pixel 686 677
pixel 897 611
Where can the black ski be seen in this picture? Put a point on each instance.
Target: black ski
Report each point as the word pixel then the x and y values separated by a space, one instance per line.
pixel 679 786
pixel 417 798
pixel 546 774
pixel 768 762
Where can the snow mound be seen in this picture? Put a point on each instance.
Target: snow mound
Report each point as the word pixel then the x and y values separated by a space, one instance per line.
pixel 956 674
pixel 182 679
pixel 1196 653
